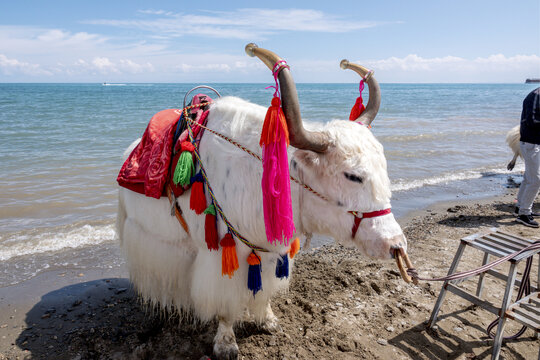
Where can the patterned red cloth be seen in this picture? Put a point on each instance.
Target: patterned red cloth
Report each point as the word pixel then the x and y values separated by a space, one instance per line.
pixel 145 170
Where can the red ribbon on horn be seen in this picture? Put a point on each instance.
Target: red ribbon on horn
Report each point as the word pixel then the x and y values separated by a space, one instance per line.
pixel 358 107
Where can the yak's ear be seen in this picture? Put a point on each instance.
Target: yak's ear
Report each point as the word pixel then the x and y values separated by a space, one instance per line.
pixel 307 158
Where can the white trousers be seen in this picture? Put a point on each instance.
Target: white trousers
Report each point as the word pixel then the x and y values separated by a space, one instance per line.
pixel 528 190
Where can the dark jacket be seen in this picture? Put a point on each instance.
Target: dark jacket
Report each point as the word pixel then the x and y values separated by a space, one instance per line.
pixel 530 118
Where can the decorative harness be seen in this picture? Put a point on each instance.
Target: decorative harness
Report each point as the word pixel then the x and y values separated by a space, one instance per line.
pixel 358 216
pixel 184 175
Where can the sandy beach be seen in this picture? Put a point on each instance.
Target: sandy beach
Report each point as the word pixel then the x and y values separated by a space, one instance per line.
pixel 340 306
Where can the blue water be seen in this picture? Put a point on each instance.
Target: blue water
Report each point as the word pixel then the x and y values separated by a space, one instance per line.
pixel 61 146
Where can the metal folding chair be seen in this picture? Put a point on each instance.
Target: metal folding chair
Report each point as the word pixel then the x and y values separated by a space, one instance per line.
pixel 497 243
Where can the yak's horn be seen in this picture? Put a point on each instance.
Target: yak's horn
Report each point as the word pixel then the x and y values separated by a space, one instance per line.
pixel 299 137
pixel 374 91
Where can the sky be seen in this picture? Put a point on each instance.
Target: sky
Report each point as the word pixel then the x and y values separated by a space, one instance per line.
pixel 414 41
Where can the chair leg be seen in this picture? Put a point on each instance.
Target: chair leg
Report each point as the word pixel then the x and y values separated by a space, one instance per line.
pixel 480 286
pixel 537 333
pixel 497 342
pixel 442 294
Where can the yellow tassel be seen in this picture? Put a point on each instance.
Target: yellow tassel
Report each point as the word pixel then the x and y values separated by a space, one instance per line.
pixel 295 246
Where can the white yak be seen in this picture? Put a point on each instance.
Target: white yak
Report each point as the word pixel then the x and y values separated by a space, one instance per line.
pixel 340 159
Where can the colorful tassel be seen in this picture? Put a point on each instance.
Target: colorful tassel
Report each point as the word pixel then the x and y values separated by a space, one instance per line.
pixel 185 166
pixel 254 273
pixel 276 187
pixel 210 228
pixel 358 107
pixel 295 246
pixel 197 200
pixel 229 260
pixel 282 267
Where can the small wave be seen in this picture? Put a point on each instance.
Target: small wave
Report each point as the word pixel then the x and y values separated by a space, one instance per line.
pixel 404 185
pixel 439 135
pixel 107 84
pixel 29 243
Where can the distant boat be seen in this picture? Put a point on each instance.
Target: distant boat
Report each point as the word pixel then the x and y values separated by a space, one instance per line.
pixel 529 81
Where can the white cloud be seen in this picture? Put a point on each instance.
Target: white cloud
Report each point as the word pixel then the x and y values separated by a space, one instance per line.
pixel 25 40
pixel 493 68
pixel 37 54
pixel 104 65
pixel 232 65
pixel 10 66
pixel 155 12
pixel 238 24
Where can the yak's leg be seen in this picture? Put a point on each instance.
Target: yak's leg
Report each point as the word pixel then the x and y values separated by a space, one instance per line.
pixel 225 346
pixel 262 312
pixel 270 321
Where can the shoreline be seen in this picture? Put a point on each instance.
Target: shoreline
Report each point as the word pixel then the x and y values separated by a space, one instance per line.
pixel 61 312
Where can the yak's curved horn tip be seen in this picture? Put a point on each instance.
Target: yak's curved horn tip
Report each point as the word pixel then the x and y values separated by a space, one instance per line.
pixel 344 64
pixel 250 49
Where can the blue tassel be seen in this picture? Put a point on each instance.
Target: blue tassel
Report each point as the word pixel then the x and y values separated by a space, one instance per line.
pixel 254 273
pixel 198 177
pixel 282 267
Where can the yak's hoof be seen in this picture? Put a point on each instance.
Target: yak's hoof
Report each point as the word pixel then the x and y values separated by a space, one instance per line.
pixel 226 349
pixel 271 325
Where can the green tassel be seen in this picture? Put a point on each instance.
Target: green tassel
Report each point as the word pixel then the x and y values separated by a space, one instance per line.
pixel 211 209
pixel 184 169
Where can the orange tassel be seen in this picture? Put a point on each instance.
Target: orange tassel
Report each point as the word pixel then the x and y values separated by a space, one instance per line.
pixel 253 259
pixel 197 201
pixel 229 260
pixel 295 246
pixel 274 117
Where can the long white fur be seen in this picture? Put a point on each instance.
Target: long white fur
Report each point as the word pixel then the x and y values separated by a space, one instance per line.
pixel 174 269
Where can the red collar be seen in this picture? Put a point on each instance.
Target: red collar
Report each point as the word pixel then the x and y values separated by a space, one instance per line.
pixel 367 215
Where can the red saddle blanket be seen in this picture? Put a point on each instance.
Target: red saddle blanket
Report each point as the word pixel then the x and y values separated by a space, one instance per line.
pixel 146 170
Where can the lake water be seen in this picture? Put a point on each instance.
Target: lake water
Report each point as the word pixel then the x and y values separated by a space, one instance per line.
pixel 61 147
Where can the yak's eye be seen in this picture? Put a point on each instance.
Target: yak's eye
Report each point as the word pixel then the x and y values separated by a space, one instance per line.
pixel 353 177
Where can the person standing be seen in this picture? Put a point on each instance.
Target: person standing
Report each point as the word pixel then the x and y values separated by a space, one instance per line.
pixel 530 149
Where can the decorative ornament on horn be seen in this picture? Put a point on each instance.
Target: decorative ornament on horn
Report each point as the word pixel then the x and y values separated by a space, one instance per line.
pixel 372 108
pixel 299 137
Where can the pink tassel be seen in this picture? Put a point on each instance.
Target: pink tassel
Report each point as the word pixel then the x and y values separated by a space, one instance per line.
pixel 276 188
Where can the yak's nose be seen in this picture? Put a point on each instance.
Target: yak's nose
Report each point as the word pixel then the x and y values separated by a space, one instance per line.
pixel 397 242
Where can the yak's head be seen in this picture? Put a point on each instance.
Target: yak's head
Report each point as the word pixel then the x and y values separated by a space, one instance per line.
pixel 343 162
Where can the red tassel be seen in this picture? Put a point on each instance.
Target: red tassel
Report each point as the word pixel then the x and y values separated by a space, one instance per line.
pixel 274 117
pixel 187 146
pixel 197 201
pixel 229 260
pixel 210 228
pixel 357 109
pixel 295 246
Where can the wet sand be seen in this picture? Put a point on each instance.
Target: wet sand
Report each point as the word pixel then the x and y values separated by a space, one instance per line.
pixel 340 306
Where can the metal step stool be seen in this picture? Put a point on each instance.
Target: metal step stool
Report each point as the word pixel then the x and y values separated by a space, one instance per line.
pixel 499 244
